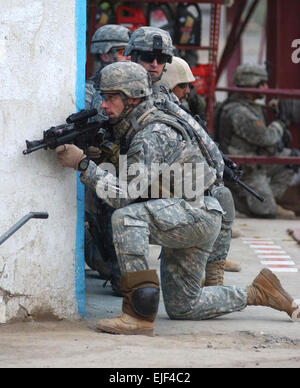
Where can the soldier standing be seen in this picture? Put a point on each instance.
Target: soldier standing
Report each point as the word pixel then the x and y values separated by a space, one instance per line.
pixel 184 226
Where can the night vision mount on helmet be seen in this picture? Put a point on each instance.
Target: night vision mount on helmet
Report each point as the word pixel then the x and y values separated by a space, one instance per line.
pixel 150 39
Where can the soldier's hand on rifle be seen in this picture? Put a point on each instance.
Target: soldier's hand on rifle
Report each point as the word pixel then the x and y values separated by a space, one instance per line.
pixel 93 152
pixel 69 155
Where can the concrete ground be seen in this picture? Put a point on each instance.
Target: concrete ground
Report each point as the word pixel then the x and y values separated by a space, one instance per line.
pixel 254 337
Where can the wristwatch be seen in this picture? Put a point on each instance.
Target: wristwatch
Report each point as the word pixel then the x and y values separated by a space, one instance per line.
pixel 83 164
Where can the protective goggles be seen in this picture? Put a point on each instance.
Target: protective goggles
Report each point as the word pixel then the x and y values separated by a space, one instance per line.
pixel 109 96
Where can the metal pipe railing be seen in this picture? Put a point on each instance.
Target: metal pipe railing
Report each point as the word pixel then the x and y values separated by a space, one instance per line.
pixel 20 223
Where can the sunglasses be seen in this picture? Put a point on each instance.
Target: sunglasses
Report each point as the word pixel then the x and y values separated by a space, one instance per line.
pixel 150 57
pixel 183 85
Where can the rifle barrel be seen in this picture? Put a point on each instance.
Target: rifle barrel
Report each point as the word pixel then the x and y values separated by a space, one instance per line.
pixel 35 148
pixel 254 193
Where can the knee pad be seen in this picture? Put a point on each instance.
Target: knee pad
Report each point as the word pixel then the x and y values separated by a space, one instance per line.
pixel 224 196
pixel 141 294
pixel 145 301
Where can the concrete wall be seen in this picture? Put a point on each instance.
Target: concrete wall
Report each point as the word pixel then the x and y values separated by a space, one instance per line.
pixel 38 81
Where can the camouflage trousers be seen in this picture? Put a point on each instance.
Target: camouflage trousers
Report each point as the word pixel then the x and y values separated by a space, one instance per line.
pixel 269 181
pixel 100 252
pixel 222 244
pixel 187 240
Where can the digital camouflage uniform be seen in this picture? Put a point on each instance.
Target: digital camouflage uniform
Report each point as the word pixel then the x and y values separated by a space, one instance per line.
pixel 290 111
pixel 161 91
pixel 186 230
pixel 242 130
pixel 179 72
pixel 143 39
pixel 98 212
pixel 99 249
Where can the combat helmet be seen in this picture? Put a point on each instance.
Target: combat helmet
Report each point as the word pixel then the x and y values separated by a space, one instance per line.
pixel 150 39
pixel 250 75
pixel 177 72
pixel 127 77
pixel 109 36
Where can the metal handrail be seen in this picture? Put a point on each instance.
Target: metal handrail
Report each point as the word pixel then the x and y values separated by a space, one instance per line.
pixel 19 224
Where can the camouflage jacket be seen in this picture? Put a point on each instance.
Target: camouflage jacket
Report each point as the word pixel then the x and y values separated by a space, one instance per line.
pixel 152 143
pixel 242 129
pixel 161 91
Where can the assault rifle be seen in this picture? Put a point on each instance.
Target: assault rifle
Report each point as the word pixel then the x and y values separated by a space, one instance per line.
pixel 78 131
pixel 232 174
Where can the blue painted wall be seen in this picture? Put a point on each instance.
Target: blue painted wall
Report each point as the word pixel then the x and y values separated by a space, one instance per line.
pixel 80 21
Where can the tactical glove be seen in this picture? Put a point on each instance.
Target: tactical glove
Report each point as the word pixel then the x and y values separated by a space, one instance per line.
pixel 69 155
pixel 93 152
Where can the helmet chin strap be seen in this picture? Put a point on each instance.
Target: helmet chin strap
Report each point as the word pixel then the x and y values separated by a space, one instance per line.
pixel 127 109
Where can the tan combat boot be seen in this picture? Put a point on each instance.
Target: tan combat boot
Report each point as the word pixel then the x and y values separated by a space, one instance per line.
pixel 140 305
pixel 235 233
pixel 266 290
pixel 232 266
pixel 126 324
pixel 284 213
pixel 214 273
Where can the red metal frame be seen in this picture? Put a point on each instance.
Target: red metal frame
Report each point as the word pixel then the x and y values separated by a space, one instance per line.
pixel 229 48
pixel 236 56
pixel 282 28
pixel 288 93
pixel 92 29
pixel 213 57
pixel 264 160
pixel 236 32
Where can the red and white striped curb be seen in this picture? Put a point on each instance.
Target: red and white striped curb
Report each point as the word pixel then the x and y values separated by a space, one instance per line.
pixel 271 255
